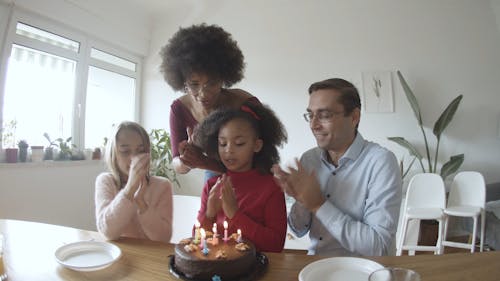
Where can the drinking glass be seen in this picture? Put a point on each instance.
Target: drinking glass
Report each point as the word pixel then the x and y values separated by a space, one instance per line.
pixel 3 273
pixel 394 274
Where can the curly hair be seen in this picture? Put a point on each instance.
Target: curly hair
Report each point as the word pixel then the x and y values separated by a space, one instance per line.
pixel 206 49
pixel 260 117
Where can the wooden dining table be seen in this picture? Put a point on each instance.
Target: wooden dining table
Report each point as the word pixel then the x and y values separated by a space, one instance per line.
pixel 29 255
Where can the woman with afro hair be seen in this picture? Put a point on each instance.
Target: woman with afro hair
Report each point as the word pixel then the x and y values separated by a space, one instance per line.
pixel 203 61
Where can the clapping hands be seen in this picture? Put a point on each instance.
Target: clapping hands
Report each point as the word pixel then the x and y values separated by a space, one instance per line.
pixel 137 184
pixel 222 196
pixel 190 154
pixel 300 184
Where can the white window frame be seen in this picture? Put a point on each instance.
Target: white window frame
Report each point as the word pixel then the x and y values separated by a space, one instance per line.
pixel 82 58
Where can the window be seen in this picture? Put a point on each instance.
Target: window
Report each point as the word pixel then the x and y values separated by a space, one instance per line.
pixel 61 82
pixel 38 94
pixel 111 93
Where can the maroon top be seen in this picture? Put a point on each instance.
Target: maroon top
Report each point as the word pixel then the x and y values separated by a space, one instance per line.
pixel 180 119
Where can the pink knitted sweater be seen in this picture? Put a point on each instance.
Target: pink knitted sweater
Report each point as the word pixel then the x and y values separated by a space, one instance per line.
pixel 117 216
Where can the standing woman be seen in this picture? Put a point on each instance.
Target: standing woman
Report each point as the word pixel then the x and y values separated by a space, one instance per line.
pixel 203 61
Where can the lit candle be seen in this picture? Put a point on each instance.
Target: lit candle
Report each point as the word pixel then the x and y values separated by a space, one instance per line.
pixel 197 232
pixel 215 240
pixel 204 242
pixel 203 236
pixel 225 232
pixel 239 240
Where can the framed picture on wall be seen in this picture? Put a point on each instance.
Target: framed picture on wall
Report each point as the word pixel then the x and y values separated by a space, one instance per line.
pixel 377 89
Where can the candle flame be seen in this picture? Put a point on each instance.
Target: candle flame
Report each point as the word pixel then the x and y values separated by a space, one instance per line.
pixel 197 224
pixel 239 231
pixel 225 224
pixel 203 234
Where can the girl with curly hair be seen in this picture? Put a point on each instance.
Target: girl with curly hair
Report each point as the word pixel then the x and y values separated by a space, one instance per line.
pixel 203 61
pixel 245 142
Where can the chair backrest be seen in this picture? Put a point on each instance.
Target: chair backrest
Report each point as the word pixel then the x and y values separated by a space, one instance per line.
pixel 185 213
pixel 425 190
pixel 467 188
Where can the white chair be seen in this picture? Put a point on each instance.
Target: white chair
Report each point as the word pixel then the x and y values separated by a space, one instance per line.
pixel 185 213
pixel 466 199
pixel 425 200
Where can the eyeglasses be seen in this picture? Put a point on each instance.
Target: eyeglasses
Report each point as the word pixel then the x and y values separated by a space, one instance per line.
pixel 323 116
pixel 196 88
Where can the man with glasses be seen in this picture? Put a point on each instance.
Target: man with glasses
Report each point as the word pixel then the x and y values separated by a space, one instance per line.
pixel 347 190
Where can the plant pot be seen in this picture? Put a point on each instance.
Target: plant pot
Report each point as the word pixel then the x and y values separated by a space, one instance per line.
pixel 77 155
pixel 36 153
pixel 49 154
pixel 11 155
pixel 23 154
pixel 96 155
pixel 63 156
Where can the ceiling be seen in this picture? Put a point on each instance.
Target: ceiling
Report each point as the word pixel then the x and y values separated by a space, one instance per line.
pixel 152 9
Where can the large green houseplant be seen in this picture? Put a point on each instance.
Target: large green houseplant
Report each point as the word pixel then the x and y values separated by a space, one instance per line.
pixel 161 155
pixel 454 163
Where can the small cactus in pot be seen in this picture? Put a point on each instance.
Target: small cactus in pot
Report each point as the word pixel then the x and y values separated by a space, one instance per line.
pixel 23 150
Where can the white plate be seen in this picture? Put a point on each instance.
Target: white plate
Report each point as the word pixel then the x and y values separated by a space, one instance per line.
pixel 87 255
pixel 339 268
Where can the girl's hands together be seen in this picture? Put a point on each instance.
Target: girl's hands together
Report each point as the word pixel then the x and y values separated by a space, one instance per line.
pixel 222 196
pixel 228 197
pixel 214 203
pixel 139 197
pixel 137 180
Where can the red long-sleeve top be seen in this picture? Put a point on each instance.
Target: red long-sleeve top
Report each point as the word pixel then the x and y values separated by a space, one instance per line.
pixel 262 211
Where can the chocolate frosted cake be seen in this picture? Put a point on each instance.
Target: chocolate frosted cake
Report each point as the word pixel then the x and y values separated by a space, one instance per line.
pixel 228 260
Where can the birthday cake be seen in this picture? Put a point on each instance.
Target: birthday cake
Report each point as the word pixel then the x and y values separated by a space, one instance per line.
pixel 225 260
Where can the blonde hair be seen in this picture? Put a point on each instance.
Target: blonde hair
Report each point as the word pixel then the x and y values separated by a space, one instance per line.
pixel 111 150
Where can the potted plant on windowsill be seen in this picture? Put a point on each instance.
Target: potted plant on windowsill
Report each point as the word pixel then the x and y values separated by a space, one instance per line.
pixel 9 141
pixel 49 150
pixel 36 153
pixel 65 149
pixel 23 150
pixel 11 154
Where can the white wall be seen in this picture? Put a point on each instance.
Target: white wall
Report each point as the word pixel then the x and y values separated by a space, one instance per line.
pixel 4 17
pixel 443 48
pixel 51 192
